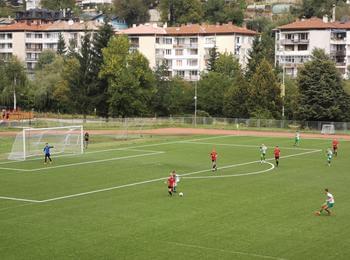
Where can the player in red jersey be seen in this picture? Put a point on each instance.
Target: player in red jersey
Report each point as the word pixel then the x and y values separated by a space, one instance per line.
pixel 214 156
pixel 277 152
pixel 171 183
pixel 335 144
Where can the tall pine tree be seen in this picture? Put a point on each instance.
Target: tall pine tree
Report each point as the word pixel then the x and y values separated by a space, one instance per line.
pixel 61 45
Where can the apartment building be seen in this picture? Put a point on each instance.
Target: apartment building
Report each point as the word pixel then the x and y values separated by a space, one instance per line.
pixel 27 40
pixel 185 49
pixel 296 41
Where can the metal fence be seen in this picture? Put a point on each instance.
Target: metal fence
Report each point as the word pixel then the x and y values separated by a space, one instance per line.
pixel 199 122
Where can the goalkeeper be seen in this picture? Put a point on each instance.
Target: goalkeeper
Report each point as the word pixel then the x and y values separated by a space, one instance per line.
pixel 47 152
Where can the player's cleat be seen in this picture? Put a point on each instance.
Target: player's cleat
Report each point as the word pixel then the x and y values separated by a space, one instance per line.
pixel 317 213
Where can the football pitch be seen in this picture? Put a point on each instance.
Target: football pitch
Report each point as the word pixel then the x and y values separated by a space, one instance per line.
pixel 112 203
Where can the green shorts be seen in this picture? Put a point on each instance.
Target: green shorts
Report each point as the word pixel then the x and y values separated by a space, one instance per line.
pixel 330 205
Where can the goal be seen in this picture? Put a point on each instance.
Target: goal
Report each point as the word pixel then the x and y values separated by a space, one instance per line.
pixel 327 129
pixel 31 141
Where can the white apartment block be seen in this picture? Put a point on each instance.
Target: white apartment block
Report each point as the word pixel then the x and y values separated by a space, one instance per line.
pixel 28 40
pixel 296 41
pixel 32 4
pixel 185 49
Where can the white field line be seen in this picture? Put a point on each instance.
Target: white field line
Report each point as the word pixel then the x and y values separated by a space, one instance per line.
pixel 249 146
pixel 226 251
pixel 232 175
pixel 19 199
pixel 164 178
pixel 122 149
pixel 83 163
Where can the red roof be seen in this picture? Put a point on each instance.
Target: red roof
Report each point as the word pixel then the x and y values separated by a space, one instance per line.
pixel 314 23
pixel 189 29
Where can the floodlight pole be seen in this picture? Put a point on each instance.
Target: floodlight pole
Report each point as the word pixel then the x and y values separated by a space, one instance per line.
pixel 195 103
pixel 14 96
pixel 283 90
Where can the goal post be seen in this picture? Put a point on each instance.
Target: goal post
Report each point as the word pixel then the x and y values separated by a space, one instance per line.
pixel 31 141
pixel 328 129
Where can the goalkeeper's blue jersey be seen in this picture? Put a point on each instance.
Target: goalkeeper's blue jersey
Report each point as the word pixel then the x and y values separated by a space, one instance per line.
pixel 47 149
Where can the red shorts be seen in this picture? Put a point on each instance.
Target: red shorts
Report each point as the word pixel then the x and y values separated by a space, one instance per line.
pixel 277 157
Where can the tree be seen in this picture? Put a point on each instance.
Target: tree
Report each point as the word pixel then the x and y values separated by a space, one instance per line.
pixel 181 11
pixel 46 57
pixel 310 8
pixel 130 80
pixel 100 41
pixel 213 55
pixel 214 11
pixel 13 83
pixel 57 4
pixel 236 97
pixel 161 101
pixel 49 91
pixel 211 91
pixel 264 92
pixel 81 85
pixel 256 55
pixel 322 96
pixel 61 45
pixel 132 11
pixel 234 12
pixel 226 64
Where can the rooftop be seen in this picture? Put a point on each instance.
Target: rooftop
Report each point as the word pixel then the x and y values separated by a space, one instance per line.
pixel 314 23
pixel 188 29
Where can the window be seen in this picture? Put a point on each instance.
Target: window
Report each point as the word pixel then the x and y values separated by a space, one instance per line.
pixel 179 63
pixel 168 51
pixel 210 40
pixel 9 45
pixel 193 72
pixel 289 36
pixel 180 41
pixel 179 52
pixel 302 47
pixel 304 36
pixel 28 35
pixel 9 36
pixel 289 47
pixel 193 41
pixel 2 36
pixel 180 73
pixel 167 41
pixel 238 39
pixel 2 45
pixel 38 36
pixel 193 51
pixel 192 62
pixel 157 40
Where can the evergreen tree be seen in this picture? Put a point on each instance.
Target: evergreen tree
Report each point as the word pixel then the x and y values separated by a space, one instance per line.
pixel 213 56
pixel 61 45
pixel 264 92
pixel 133 11
pixel 45 58
pixel 256 55
pixel 322 96
pixel 101 39
pixel 227 65
pixel 181 11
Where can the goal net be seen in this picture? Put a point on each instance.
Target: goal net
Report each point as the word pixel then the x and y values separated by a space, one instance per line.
pixel 327 129
pixel 31 141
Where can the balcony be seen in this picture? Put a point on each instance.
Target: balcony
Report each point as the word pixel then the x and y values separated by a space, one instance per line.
pixel 338 53
pixel 294 41
pixel 34 49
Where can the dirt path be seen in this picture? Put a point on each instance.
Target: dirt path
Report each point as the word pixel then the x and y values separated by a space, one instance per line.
pixel 199 131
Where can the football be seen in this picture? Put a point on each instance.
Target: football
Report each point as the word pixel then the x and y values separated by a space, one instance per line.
pixel 181 194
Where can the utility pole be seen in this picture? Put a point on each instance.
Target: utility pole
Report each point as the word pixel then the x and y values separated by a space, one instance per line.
pixel 195 103
pixel 14 95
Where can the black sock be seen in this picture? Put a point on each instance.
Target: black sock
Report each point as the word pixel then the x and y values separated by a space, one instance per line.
pixel 170 193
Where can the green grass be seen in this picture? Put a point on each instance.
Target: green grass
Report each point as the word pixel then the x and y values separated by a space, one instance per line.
pixel 262 216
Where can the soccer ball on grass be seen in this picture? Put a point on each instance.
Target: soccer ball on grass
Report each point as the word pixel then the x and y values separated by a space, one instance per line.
pixel 181 194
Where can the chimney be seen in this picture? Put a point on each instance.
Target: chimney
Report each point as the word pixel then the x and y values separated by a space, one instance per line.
pixel 134 25
pixel 333 13
pixel 165 25
pixel 325 18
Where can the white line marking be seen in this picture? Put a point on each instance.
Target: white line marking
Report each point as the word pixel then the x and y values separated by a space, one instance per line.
pixel 247 145
pixel 91 162
pixel 19 199
pixel 164 178
pixel 232 175
pixel 226 251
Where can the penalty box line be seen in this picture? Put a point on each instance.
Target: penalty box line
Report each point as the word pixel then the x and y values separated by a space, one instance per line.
pixel 83 163
pixel 153 180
